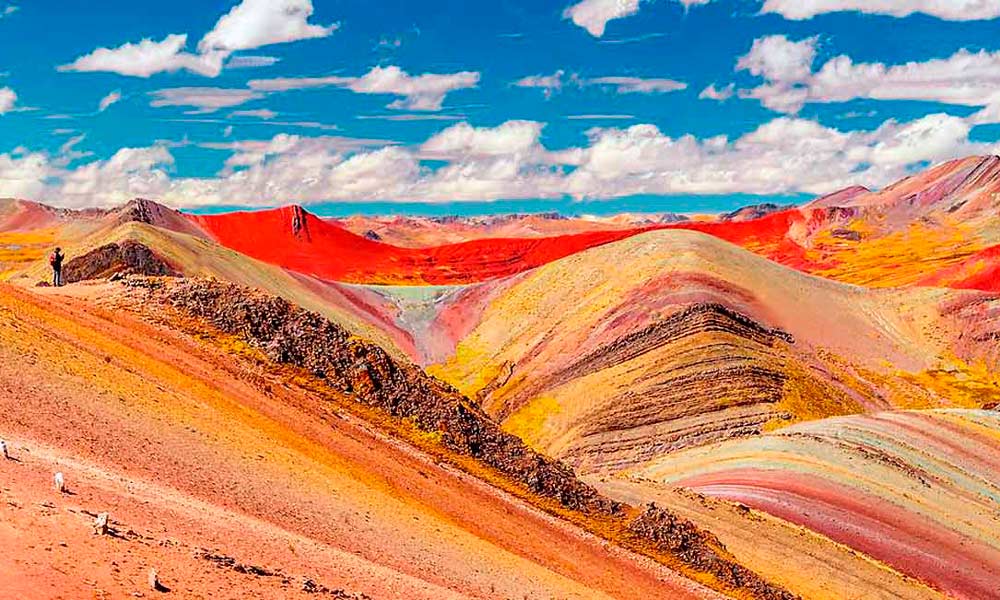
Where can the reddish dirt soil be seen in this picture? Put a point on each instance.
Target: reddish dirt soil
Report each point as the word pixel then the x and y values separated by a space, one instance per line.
pixel 981 271
pixel 189 449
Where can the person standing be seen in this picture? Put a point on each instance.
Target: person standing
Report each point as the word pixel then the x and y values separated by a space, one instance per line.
pixel 56 260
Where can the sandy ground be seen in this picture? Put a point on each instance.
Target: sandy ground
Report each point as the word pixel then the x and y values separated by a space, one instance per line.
pixel 191 452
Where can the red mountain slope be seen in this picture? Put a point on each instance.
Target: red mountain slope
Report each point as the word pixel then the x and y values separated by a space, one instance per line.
pixel 302 242
pixel 981 271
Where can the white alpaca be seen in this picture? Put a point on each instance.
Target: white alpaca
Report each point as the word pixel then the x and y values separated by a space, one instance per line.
pixel 60 482
pixel 154 582
pixel 101 524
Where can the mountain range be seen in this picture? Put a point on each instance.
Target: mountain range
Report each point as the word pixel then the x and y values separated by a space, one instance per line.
pixel 519 406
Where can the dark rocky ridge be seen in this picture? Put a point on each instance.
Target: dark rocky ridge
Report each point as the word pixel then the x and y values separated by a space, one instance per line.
pixel 123 258
pixel 290 335
pixel 140 210
pixel 754 211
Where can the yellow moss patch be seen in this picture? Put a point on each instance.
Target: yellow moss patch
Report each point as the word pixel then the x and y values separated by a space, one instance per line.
pixel 898 259
pixel 528 421
pixel 809 398
pixel 455 371
pixel 17 249
pixel 961 384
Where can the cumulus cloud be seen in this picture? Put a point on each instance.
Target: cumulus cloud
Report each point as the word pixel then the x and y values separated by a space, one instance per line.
pixel 203 99
pixel 952 10
pixel 784 155
pixel 250 24
pixel 255 23
pixel 424 92
pixel 964 78
pixel 8 98
pixel 129 173
pixel 464 140
pixel 24 175
pixel 509 161
pixel 777 58
pixel 108 100
pixel 147 58
pixel 593 15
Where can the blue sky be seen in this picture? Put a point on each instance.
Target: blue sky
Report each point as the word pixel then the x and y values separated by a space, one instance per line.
pixel 592 106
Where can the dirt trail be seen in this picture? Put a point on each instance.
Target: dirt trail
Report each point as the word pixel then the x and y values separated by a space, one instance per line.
pixel 189 450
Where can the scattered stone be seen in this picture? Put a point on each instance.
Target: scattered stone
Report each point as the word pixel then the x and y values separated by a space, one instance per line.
pixel 311 587
pixel 846 234
pixel 101 526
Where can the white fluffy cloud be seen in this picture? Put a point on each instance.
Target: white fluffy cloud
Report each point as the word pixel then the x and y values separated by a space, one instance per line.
pixel 964 78
pixel 250 24
pixel 424 92
pixel 8 98
pixel 508 161
pixel 255 23
pixel 24 175
pixel 777 58
pixel 952 10
pixel 593 15
pixel 129 173
pixel 463 140
pixel 147 58
pixel 420 92
pixel 784 155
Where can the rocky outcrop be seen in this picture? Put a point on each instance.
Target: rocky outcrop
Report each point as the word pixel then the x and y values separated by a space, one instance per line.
pixel 679 537
pixel 300 222
pixel 290 335
pixel 127 257
pixel 148 212
pixel 755 211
